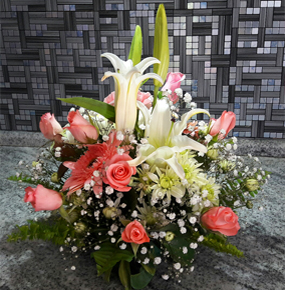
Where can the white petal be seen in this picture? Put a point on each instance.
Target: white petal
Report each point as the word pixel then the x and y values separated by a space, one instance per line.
pixel 160 124
pixel 183 142
pixel 147 62
pixel 178 191
pixel 144 77
pixel 181 125
pixel 173 163
pixel 117 63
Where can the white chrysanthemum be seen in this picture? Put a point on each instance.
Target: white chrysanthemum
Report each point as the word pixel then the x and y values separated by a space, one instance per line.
pixel 190 166
pixel 167 183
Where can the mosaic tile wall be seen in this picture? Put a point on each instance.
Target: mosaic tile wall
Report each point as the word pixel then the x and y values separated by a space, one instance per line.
pixel 232 52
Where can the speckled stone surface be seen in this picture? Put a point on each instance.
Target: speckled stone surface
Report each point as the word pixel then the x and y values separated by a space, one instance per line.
pixel 22 139
pixel 38 265
pixel 257 147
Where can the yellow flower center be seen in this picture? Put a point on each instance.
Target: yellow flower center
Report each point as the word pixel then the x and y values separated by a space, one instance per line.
pixel 166 182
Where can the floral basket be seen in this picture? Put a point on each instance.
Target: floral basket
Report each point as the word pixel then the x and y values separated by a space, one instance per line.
pixel 133 181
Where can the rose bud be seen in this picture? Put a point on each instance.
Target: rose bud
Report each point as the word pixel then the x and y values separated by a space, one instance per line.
pixel 173 82
pixel 81 129
pixel 42 198
pixel 49 126
pixel 135 233
pixel 226 122
pixel 221 219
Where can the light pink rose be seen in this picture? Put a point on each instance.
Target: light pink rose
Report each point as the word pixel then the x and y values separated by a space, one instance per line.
pixel 81 129
pixel 227 122
pixel 135 233
pixel 49 126
pixel 221 219
pixel 42 198
pixel 145 98
pixel 119 173
pixel 110 99
pixel 173 82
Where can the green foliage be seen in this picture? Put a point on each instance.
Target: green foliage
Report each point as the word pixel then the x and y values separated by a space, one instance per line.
pixel 55 231
pixel 175 246
pixel 125 274
pixel 140 280
pixel 220 244
pixel 102 108
pixel 28 179
pixel 109 255
pixel 136 46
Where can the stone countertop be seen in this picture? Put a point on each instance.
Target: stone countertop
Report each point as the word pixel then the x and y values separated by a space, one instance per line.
pixel 38 265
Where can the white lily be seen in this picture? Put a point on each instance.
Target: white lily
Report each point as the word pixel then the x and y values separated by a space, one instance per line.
pixel 128 79
pixel 165 137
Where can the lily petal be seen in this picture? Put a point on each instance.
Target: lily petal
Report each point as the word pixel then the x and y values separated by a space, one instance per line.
pixel 181 125
pixel 187 143
pixel 160 124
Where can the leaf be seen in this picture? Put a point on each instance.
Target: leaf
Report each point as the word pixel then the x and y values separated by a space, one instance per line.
pixel 219 243
pixel 51 230
pixel 109 255
pixel 28 179
pixel 161 45
pixel 135 248
pixel 125 274
pixel 176 245
pixel 149 268
pixel 136 46
pixel 140 280
pixel 102 108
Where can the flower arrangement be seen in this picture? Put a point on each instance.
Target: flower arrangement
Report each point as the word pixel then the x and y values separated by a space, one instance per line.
pixel 134 183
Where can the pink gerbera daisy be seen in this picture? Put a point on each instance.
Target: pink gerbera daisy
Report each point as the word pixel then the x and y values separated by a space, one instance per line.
pixel 89 169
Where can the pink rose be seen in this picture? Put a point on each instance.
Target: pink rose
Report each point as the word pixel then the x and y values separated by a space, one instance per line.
pixel 135 233
pixel 221 219
pixel 42 198
pixel 81 129
pixel 119 173
pixel 145 98
pixel 173 82
pixel 227 122
pixel 110 99
pixel 49 126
